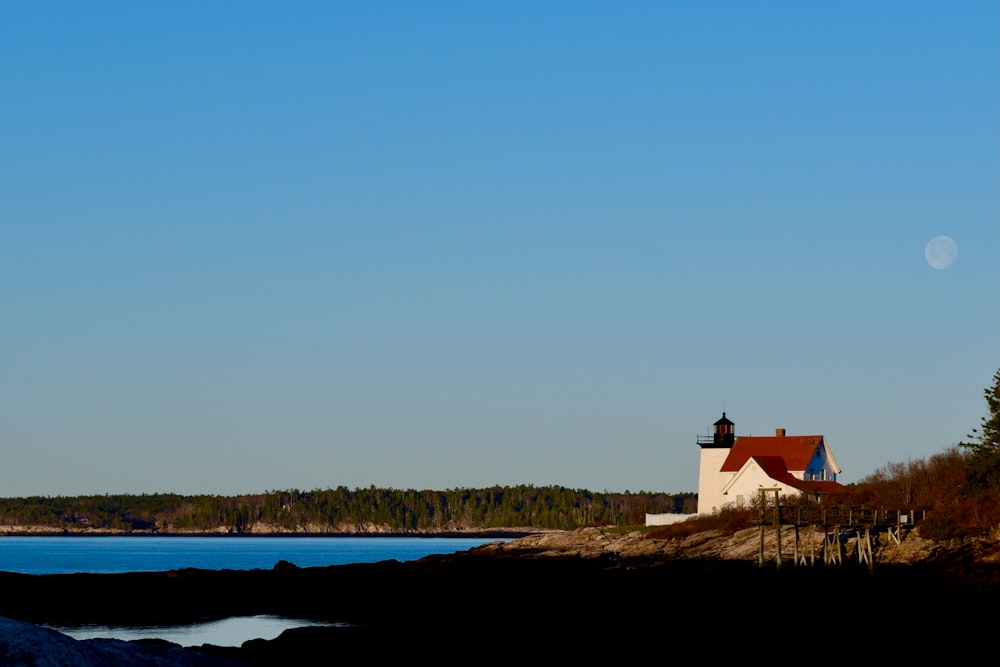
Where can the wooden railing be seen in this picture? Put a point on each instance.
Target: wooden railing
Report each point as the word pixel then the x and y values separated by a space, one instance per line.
pixel 844 515
pixel 833 522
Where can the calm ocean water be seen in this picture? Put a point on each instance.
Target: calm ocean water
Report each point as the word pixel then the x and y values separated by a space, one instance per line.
pixel 60 555
pixel 54 555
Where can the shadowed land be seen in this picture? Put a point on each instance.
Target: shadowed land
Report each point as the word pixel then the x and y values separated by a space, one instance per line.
pixel 497 599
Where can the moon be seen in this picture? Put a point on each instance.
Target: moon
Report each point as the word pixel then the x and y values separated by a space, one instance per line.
pixel 941 252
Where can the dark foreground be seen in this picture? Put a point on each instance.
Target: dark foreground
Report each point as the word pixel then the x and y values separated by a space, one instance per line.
pixel 479 607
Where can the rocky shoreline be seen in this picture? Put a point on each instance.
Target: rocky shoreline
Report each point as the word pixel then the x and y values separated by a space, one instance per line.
pixel 569 594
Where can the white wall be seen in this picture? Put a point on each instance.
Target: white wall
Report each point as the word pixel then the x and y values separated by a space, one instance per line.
pixel 823 465
pixel 710 480
pixel 666 519
pixel 748 482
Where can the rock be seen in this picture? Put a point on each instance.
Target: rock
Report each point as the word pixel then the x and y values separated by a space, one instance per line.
pixel 27 645
pixel 636 547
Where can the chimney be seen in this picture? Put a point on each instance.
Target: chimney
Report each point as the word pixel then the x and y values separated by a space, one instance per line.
pixel 779 432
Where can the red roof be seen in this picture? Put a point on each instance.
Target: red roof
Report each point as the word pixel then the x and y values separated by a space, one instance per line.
pixel 794 451
pixel 774 467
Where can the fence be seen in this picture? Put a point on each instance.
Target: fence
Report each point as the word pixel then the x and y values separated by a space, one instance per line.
pixel 836 523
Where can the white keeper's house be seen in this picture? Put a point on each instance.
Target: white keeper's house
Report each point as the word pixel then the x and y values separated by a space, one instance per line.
pixel 733 469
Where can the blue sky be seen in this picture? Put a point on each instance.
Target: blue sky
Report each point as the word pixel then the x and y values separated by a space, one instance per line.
pixel 257 246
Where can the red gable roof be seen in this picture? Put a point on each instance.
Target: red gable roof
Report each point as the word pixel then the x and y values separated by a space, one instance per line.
pixel 796 451
pixel 774 467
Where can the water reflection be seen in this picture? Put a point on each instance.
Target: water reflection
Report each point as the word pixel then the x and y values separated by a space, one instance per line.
pixel 226 632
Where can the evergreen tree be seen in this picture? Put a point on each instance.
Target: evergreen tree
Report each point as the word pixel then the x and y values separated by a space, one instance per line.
pixel 984 448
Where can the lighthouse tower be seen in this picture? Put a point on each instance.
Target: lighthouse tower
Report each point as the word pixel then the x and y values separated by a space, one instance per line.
pixel 714 451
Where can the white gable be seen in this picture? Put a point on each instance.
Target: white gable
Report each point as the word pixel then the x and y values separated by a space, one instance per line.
pixel 746 484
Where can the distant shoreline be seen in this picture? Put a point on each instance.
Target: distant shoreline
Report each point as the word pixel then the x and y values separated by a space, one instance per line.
pixel 499 534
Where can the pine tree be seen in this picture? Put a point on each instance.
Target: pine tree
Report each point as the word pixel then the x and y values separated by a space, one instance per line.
pixel 984 462
pixel 987 439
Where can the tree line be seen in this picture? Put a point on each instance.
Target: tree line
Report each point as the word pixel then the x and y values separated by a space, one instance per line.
pixel 344 510
pixel 957 489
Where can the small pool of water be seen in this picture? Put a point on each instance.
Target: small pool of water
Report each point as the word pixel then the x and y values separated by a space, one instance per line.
pixel 226 632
